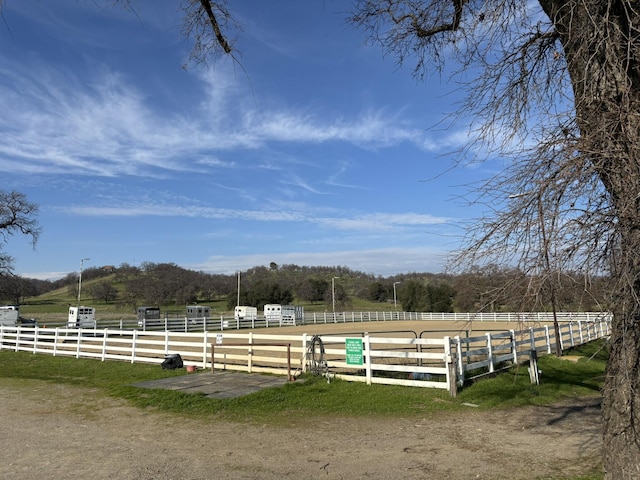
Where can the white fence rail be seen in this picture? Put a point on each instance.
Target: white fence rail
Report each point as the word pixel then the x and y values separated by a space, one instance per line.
pixel 515 317
pixel 221 323
pixel 481 355
pixel 420 362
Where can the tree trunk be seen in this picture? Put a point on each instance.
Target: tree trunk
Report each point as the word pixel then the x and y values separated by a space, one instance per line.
pixel 621 394
pixel 602 49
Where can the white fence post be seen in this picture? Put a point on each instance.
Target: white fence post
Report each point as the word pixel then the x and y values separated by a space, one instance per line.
pixel 78 343
pixel 571 340
pixel 17 346
pixel 205 344
pixel 460 363
pixel 104 345
pixel 532 338
pixel 580 330
pixel 35 340
pixel 250 353
pixel 534 374
pixel 55 341
pixel 134 340
pixel 304 353
pixel 367 358
pixel 490 353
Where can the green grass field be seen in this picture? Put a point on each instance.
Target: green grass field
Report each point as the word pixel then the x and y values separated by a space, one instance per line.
pixel 314 396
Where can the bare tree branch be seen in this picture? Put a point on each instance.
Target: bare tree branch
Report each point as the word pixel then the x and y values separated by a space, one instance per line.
pixel 17 215
pixel 209 25
pixel 222 42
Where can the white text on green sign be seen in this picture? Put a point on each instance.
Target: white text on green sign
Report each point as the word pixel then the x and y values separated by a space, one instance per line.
pixel 353 347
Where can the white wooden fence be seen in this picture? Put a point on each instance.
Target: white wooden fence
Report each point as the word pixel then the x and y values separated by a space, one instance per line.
pixel 420 362
pixel 485 354
pixel 514 317
pixel 184 324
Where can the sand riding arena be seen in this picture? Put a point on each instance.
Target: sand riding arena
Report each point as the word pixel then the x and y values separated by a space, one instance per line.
pixel 420 353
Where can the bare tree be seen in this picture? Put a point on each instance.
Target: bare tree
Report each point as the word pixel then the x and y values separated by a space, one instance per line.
pixel 17 215
pixel 556 90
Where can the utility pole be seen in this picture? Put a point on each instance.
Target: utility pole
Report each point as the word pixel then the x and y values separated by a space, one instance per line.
pixel 395 297
pixel 80 279
pixel 238 301
pixel 333 296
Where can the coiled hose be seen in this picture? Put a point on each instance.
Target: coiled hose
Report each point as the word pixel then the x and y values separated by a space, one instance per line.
pixel 316 363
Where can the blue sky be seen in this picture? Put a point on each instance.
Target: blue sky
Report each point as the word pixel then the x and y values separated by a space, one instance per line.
pixel 318 150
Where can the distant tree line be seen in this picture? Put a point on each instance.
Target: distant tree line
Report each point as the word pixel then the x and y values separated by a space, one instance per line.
pixel 479 289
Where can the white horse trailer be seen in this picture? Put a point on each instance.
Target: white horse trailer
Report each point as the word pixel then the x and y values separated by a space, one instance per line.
pixel 283 314
pixel 242 312
pixel 9 315
pixel 81 317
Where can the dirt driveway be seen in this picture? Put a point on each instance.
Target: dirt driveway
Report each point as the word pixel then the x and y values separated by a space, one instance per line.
pixel 52 431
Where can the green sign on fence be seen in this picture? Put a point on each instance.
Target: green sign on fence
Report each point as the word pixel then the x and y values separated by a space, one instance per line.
pixel 353 347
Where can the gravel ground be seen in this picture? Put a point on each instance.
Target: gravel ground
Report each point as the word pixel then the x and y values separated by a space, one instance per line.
pixel 54 431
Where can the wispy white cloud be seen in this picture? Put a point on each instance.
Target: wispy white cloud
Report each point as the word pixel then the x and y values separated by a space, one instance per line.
pixel 382 221
pixel 189 211
pixel 54 122
pixel 296 181
pixel 297 212
pixel 333 180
